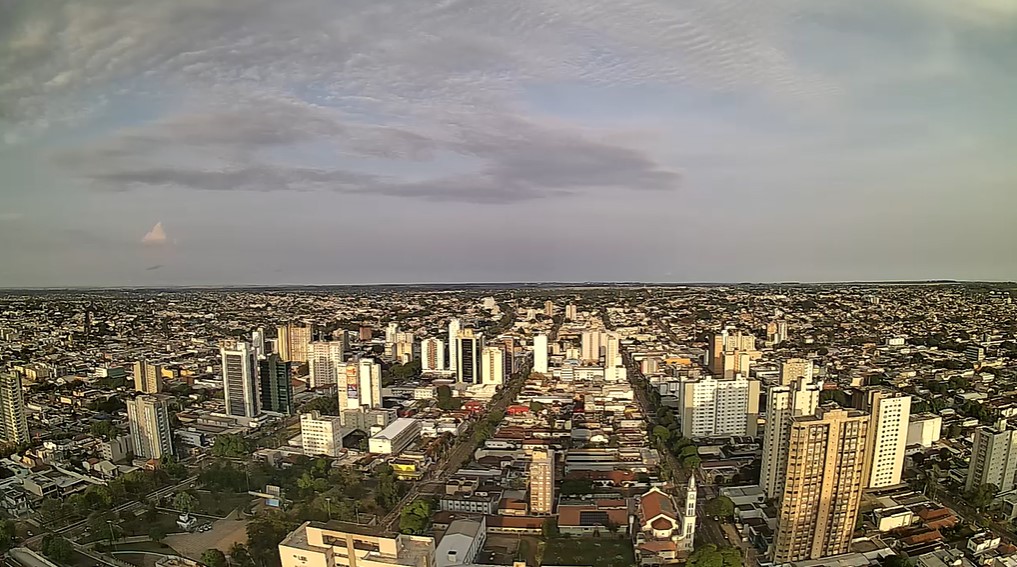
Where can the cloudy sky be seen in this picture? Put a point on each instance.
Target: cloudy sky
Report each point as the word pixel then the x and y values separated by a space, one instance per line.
pixel 356 141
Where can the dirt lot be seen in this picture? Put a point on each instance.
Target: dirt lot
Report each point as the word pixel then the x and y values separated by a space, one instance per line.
pixel 223 534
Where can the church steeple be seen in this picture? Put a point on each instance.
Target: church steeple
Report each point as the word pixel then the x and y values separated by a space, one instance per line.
pixel 689 515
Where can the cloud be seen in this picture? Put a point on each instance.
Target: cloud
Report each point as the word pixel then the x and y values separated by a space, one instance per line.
pixel 156 236
pixel 11 216
pixel 153 268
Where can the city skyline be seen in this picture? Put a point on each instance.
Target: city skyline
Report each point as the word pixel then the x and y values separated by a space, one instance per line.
pixel 253 143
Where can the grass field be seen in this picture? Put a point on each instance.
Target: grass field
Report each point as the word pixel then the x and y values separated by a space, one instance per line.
pixel 221 503
pixel 596 552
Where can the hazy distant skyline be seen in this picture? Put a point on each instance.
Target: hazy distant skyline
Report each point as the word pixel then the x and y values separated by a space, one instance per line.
pixel 190 142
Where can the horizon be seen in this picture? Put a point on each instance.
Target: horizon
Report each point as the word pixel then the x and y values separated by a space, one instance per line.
pixel 194 144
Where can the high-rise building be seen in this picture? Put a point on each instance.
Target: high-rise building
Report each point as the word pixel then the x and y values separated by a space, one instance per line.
pixel 468 347
pixel 542 481
pixel 718 406
pixel 432 355
pixel 147 377
pixel 570 312
pixel 276 388
pixel 891 414
pixel 826 470
pixel 591 342
pixel 612 350
pixel 509 348
pixel 540 354
pixel 776 332
pixel 549 308
pixel 725 343
pixel 390 332
pixel 361 386
pixel 293 341
pixel 239 378
pixel 323 362
pixel 794 368
pixel 365 333
pixel 402 348
pixel 258 342
pixel 453 343
pixel 321 434
pixel 149 421
pixel 993 458
pixel 13 422
pixel 493 363
pixel 783 403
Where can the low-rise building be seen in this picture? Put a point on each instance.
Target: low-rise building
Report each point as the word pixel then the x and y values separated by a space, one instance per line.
pixel 337 544
pixel 396 437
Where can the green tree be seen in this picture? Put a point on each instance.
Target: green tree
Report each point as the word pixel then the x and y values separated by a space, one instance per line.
pixel 661 433
pixel 537 407
pixel 445 399
pixel 214 558
pixel 231 446
pixel 8 532
pixel 327 405
pixel 57 548
pixel 719 506
pixel 572 487
pixel 982 496
pixel 157 533
pixel 104 429
pixel 550 528
pixel 240 555
pixel 710 555
pixel 895 561
pixel 185 502
pixel 415 518
pixel 691 462
pixel 264 532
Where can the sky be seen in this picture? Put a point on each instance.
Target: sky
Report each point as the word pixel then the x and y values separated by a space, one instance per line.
pixel 239 142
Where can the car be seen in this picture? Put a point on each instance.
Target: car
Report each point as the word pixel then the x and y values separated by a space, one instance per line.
pixel 716 518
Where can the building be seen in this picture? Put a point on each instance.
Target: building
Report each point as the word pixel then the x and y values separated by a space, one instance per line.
pixel 612 350
pixel 336 544
pixel 827 466
pixel 711 406
pixel 891 412
pixel 13 422
pixel 432 355
pixel 321 434
pixel 454 327
pixel 724 356
pixel 549 308
pixel 239 379
pixel 397 436
pixel 368 420
pixel 293 341
pixel 943 558
pixel 461 542
pixel 776 332
pixel 974 354
pixel 590 346
pixel 924 429
pixel 784 402
pixel 492 361
pixel 661 530
pixel 324 359
pixel 258 342
pixel 360 385
pixel 540 354
pixel 468 347
pixel 993 457
pixel 276 388
pixel 365 333
pixel 570 312
pixel 147 377
pixel 542 481
pixel 794 368
pixel 148 416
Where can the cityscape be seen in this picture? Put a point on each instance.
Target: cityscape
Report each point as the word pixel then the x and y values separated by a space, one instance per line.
pixel 596 425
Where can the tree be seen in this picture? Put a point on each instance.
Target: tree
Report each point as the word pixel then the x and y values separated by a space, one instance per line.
pixel 571 487
pixel 536 407
pixel 104 429
pixel 231 445
pixel 264 532
pixel 8 532
pixel 327 405
pixel 691 462
pixel 661 433
pixel 895 561
pixel 214 558
pixel 57 548
pixel 719 506
pixel 550 528
pixel 415 518
pixel 945 455
pixel 982 496
pixel 185 502
pixel 157 533
pixel 445 399
pixel 919 459
pixel 710 555
pixel 240 556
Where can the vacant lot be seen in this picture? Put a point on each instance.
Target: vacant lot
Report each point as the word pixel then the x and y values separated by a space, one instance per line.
pixel 594 552
pixel 223 534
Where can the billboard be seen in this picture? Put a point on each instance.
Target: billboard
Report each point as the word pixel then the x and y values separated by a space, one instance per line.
pixel 352 382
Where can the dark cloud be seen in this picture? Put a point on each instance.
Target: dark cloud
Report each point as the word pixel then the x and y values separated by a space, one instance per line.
pixel 153 268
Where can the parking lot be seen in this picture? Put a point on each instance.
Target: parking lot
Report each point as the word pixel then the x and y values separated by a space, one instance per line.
pixel 223 534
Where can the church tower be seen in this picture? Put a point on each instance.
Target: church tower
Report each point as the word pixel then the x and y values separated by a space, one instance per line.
pixel 689 515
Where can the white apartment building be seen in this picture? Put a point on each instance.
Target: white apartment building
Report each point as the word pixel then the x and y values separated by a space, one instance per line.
pixel 321 434
pixel 361 385
pixel 794 368
pixel 540 354
pixel 542 481
pixel 324 361
pixel 149 421
pixel 783 403
pixel 993 457
pixel 591 343
pixel 147 377
pixel 492 360
pixel 453 333
pixel 432 355
pixel 924 429
pixel 612 350
pixel 712 406
pixel 891 412
pixel 239 377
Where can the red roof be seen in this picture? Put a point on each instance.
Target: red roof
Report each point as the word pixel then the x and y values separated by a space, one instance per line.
pixel 655 503
pixel 662 524
pixel 515 522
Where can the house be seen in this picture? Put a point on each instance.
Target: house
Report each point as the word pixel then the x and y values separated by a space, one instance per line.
pixel 597 517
